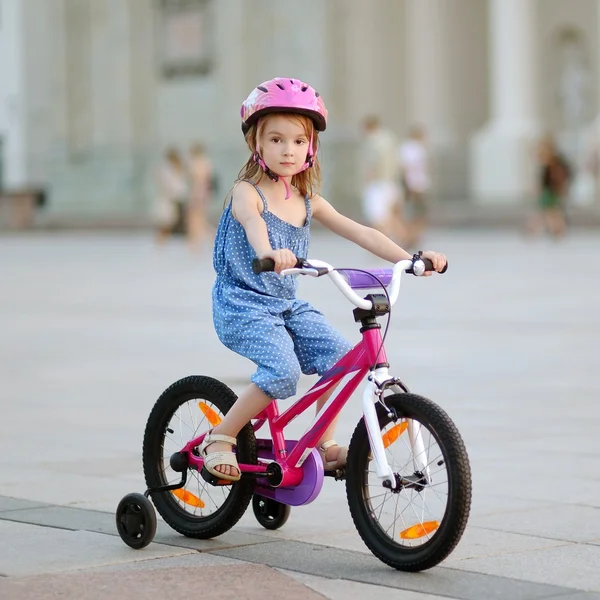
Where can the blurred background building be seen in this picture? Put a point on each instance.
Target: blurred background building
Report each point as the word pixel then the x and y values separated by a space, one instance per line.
pixel 92 91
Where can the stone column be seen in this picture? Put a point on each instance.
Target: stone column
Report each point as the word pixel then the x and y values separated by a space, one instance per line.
pixel 502 153
pixel 143 83
pixel 429 81
pixel 13 113
pixel 231 89
pixel 79 93
pixel 111 78
pixel 596 126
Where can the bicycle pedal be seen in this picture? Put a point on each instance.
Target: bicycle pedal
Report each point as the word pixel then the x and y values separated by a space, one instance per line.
pixel 337 474
pixel 213 479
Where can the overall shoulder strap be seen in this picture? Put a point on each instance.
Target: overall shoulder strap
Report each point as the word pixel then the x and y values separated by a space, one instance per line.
pixel 262 196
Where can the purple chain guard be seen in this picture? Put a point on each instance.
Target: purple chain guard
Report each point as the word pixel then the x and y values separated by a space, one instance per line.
pixel 306 491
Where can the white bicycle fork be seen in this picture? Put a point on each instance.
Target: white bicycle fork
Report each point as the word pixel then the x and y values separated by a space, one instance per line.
pixel 383 469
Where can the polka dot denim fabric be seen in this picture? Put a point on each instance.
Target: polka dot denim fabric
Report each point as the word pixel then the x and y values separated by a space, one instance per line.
pixel 259 317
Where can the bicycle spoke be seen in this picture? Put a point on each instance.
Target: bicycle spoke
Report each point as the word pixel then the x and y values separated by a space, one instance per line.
pixel 197 497
pixel 414 515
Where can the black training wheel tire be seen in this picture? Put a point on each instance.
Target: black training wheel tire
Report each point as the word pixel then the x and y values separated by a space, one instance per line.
pixel 270 513
pixel 458 506
pixel 136 521
pixel 231 511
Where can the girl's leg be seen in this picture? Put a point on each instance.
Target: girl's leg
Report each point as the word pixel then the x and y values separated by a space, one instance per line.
pixel 318 346
pixel 250 402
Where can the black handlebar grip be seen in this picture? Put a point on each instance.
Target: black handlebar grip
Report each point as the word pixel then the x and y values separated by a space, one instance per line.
pixel 429 265
pixel 263 265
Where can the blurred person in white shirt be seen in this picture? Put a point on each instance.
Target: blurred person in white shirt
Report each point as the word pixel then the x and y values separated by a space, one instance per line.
pixel 382 196
pixel 172 195
pixel 413 160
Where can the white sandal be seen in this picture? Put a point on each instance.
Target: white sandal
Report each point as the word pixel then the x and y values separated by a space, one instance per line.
pixel 341 460
pixel 215 459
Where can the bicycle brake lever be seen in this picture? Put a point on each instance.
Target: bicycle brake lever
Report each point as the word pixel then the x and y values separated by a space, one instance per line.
pixel 418 266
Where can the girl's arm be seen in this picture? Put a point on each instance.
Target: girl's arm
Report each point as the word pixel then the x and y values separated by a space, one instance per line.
pixel 246 206
pixel 366 237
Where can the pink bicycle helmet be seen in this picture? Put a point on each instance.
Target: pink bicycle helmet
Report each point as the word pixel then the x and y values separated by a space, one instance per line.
pixel 283 95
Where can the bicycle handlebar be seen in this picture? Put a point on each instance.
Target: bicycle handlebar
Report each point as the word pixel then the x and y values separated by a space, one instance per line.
pixel 265 265
pixel 317 268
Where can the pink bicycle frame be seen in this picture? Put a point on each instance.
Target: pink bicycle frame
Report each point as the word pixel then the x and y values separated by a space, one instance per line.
pixel 359 360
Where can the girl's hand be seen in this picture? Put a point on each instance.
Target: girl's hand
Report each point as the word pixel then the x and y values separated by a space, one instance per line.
pixel 284 259
pixel 438 260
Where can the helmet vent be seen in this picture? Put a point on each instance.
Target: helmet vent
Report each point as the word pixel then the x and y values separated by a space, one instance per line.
pixel 280 86
pixel 262 88
pixel 317 94
pixel 304 88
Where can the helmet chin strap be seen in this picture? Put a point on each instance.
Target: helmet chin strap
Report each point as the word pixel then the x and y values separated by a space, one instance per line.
pixel 275 177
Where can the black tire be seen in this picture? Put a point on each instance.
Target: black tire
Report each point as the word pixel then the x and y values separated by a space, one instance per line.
pixel 136 521
pixel 270 513
pixel 239 494
pixel 449 529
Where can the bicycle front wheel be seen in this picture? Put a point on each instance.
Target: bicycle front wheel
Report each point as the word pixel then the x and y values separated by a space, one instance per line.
pixel 415 526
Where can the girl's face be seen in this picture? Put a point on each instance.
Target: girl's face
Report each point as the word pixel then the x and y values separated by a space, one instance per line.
pixel 283 143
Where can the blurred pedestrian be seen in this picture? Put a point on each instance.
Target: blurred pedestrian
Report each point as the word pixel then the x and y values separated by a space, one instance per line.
pixel 382 200
pixel 415 173
pixel 201 180
pixel 172 196
pixel 554 176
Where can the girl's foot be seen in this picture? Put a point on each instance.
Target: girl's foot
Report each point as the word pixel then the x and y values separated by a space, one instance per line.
pixel 220 461
pixel 334 456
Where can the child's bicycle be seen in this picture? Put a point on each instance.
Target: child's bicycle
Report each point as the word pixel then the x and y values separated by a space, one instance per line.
pixel 408 479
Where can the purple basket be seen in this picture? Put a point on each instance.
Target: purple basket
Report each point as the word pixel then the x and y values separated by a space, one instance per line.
pixel 358 280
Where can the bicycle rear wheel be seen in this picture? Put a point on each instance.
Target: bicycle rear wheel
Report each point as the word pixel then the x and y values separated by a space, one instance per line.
pixel 416 526
pixel 186 409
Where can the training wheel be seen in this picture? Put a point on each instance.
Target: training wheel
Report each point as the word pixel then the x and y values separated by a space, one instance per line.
pixel 270 513
pixel 136 520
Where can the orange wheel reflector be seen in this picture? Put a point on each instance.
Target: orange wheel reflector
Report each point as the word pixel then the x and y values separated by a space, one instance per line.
pixel 420 530
pixel 389 437
pixel 188 498
pixel 213 418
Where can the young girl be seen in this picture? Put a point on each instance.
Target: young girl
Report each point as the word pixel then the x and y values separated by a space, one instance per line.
pixel 258 316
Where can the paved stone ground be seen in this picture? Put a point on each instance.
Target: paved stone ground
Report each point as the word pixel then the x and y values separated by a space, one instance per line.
pixel 94 326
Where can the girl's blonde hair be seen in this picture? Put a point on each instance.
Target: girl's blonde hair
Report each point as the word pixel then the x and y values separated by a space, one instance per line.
pixel 308 182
